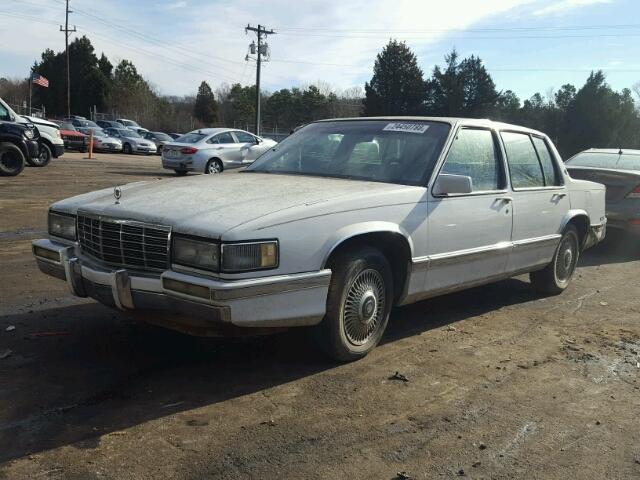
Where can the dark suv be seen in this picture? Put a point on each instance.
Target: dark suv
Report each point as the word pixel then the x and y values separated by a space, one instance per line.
pixel 18 142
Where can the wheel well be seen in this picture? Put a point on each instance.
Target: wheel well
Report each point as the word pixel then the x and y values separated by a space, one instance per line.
pixel 581 222
pixel 392 245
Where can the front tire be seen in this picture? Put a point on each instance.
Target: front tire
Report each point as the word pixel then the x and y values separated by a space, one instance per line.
pixel 555 277
pixel 11 160
pixel 126 148
pixel 180 173
pixel 358 304
pixel 44 157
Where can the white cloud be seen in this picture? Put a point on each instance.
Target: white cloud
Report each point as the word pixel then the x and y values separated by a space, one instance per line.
pixel 339 39
pixel 173 5
pixel 563 6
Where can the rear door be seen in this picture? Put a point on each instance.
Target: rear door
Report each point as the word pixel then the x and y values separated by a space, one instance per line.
pixel 470 235
pixel 540 200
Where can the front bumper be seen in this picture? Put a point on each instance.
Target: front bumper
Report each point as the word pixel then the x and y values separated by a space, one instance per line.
pixel 58 151
pixel 33 148
pixel 144 149
pixel 187 302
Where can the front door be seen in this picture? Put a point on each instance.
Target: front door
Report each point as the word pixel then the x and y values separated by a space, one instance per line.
pixel 469 236
pixel 540 200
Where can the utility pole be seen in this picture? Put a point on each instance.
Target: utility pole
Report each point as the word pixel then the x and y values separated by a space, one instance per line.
pixel 261 50
pixel 67 31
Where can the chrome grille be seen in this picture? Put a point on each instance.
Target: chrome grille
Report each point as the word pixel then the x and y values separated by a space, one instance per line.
pixel 125 243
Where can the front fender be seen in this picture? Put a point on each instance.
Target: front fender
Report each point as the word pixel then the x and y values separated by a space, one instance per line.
pixel 350 231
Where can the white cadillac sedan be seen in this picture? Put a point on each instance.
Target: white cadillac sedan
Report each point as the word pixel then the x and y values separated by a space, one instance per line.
pixel 212 150
pixel 330 229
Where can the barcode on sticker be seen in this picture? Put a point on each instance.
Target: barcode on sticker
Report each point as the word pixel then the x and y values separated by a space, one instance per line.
pixel 406 127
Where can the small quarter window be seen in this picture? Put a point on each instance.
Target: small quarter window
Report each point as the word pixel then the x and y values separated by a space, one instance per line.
pixel 524 165
pixel 473 153
pixel 549 170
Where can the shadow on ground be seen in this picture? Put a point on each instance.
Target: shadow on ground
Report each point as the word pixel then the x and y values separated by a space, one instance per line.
pixel 81 371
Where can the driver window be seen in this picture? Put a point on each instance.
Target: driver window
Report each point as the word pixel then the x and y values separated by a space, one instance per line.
pixel 473 154
pixel 244 137
pixel 4 113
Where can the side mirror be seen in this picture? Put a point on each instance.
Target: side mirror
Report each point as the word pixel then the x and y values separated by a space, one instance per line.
pixel 258 140
pixel 447 184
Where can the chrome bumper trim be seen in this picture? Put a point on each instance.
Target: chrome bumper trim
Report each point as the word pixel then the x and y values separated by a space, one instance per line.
pixel 283 300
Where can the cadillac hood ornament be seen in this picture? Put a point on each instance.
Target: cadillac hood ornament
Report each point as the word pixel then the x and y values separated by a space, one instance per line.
pixel 117 194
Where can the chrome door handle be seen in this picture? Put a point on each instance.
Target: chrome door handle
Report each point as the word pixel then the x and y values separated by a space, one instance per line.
pixel 560 195
pixel 505 199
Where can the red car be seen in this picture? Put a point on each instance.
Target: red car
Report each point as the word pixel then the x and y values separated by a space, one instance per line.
pixel 73 139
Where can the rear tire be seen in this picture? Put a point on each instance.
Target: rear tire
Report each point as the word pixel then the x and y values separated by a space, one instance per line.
pixel 358 304
pixel 555 277
pixel 180 173
pixel 11 160
pixel 213 166
pixel 44 157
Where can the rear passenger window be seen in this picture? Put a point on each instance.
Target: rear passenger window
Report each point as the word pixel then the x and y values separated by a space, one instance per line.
pixel 473 153
pixel 546 160
pixel 524 166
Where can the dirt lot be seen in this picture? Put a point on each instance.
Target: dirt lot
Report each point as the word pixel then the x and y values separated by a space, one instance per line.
pixel 501 383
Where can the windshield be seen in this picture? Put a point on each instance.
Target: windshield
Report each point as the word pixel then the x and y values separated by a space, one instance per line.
pixel 625 161
pixel 190 138
pixel 403 152
pixel 125 132
pixel 128 123
pixel 162 136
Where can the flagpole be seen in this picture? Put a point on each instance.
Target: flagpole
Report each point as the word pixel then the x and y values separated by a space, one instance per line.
pixel 30 86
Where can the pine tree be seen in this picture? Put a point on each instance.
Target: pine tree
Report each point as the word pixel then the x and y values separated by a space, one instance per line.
pixel 206 108
pixel 397 86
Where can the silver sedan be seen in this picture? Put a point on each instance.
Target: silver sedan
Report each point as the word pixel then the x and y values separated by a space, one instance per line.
pixel 213 150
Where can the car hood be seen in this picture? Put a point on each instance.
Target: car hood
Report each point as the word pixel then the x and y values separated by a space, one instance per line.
pixel 210 205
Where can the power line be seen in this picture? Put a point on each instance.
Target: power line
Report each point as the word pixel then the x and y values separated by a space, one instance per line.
pixel 182 50
pixel 439 30
pixel 442 36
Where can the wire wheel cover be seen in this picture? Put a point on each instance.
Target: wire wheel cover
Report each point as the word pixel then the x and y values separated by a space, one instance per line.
pixel 364 307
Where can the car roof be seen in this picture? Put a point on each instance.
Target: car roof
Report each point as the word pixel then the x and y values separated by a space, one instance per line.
pixel 453 121
pixel 213 131
pixel 613 151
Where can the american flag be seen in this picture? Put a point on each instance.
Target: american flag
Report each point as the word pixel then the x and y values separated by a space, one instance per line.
pixel 39 80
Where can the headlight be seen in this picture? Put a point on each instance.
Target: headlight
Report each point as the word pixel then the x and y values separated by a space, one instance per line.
pixel 227 257
pixel 29 133
pixel 196 253
pixel 242 257
pixel 62 225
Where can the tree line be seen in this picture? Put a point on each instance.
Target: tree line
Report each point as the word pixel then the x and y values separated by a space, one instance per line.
pixel 593 115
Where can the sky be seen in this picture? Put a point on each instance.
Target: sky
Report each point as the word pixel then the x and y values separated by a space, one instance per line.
pixel 528 46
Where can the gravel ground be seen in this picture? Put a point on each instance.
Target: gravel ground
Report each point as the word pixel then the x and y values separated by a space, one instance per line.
pixel 500 383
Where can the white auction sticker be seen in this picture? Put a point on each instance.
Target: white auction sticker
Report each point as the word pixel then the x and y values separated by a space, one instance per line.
pixel 406 127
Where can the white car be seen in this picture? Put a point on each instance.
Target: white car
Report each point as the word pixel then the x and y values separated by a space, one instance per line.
pixel 213 150
pixel 51 142
pixel 132 142
pixel 331 228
